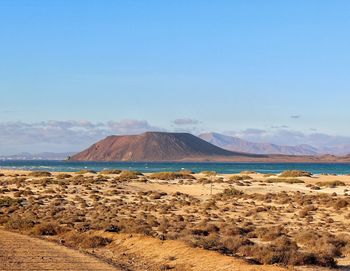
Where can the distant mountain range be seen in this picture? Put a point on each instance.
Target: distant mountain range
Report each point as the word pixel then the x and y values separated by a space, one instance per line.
pixel 162 147
pixel 239 145
pixel 37 156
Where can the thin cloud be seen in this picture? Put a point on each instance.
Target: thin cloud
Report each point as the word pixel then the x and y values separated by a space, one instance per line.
pixel 186 121
pixel 295 116
pixel 63 136
pixel 280 127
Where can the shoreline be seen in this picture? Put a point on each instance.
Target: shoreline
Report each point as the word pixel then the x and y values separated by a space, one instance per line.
pixel 151 167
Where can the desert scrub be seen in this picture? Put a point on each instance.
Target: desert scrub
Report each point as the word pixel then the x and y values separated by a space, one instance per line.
pixel 186 171
pixel 236 178
pixel 331 184
pixel 157 195
pixel 129 225
pixel 63 176
pixel 269 233
pixel 284 180
pixel 285 252
pixel 8 202
pixel 129 174
pixel 239 178
pixel 231 192
pixel 40 174
pixel 95 242
pixel 322 243
pixel 208 173
pixel 81 240
pixel 46 229
pixel 19 223
pixel 110 171
pixel 295 173
pixel 171 176
pixel 86 171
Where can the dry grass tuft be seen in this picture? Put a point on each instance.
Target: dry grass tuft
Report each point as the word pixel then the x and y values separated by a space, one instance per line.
pixel 295 173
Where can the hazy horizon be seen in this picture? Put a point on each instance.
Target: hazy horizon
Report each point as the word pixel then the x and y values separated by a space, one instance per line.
pixel 73 72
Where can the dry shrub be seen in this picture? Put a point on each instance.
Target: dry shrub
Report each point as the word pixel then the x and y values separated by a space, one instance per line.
pixel 233 244
pixel 331 184
pixel 86 171
pixel 8 202
pixel 322 243
pixel 157 195
pixel 40 174
pixel 129 225
pixel 285 254
pixel 210 242
pixel 239 178
pixel 171 176
pixel 341 203
pixel 284 180
pixel 95 242
pixel 20 224
pixel 111 171
pixel 204 181
pixel 208 173
pixel 48 229
pixel 81 240
pixel 295 173
pixel 270 233
pixel 129 174
pixel 63 176
pixel 230 192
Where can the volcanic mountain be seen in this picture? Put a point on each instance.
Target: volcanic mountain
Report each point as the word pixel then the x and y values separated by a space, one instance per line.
pixel 156 146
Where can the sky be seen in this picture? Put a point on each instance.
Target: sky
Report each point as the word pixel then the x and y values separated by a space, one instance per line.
pixel 72 72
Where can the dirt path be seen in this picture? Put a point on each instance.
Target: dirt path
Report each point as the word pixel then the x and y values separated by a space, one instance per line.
pixel 18 252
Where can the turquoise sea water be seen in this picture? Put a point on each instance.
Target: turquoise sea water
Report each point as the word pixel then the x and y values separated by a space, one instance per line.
pixel 339 168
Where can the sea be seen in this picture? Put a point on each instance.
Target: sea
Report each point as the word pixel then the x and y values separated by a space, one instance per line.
pixel 223 168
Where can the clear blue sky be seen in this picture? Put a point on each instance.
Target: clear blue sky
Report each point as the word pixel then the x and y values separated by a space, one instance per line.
pixel 231 65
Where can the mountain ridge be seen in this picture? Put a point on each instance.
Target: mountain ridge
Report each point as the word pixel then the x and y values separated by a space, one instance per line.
pixel 236 144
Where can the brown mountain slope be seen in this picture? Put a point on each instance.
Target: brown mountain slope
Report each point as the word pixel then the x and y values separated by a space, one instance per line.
pixel 155 146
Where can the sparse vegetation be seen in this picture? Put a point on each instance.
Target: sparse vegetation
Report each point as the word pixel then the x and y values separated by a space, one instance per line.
pixel 110 171
pixel 295 174
pixel 86 171
pixel 40 174
pixel 129 174
pixel 171 176
pixel 331 184
pixel 239 178
pixel 284 180
pixel 209 173
pixel 242 218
